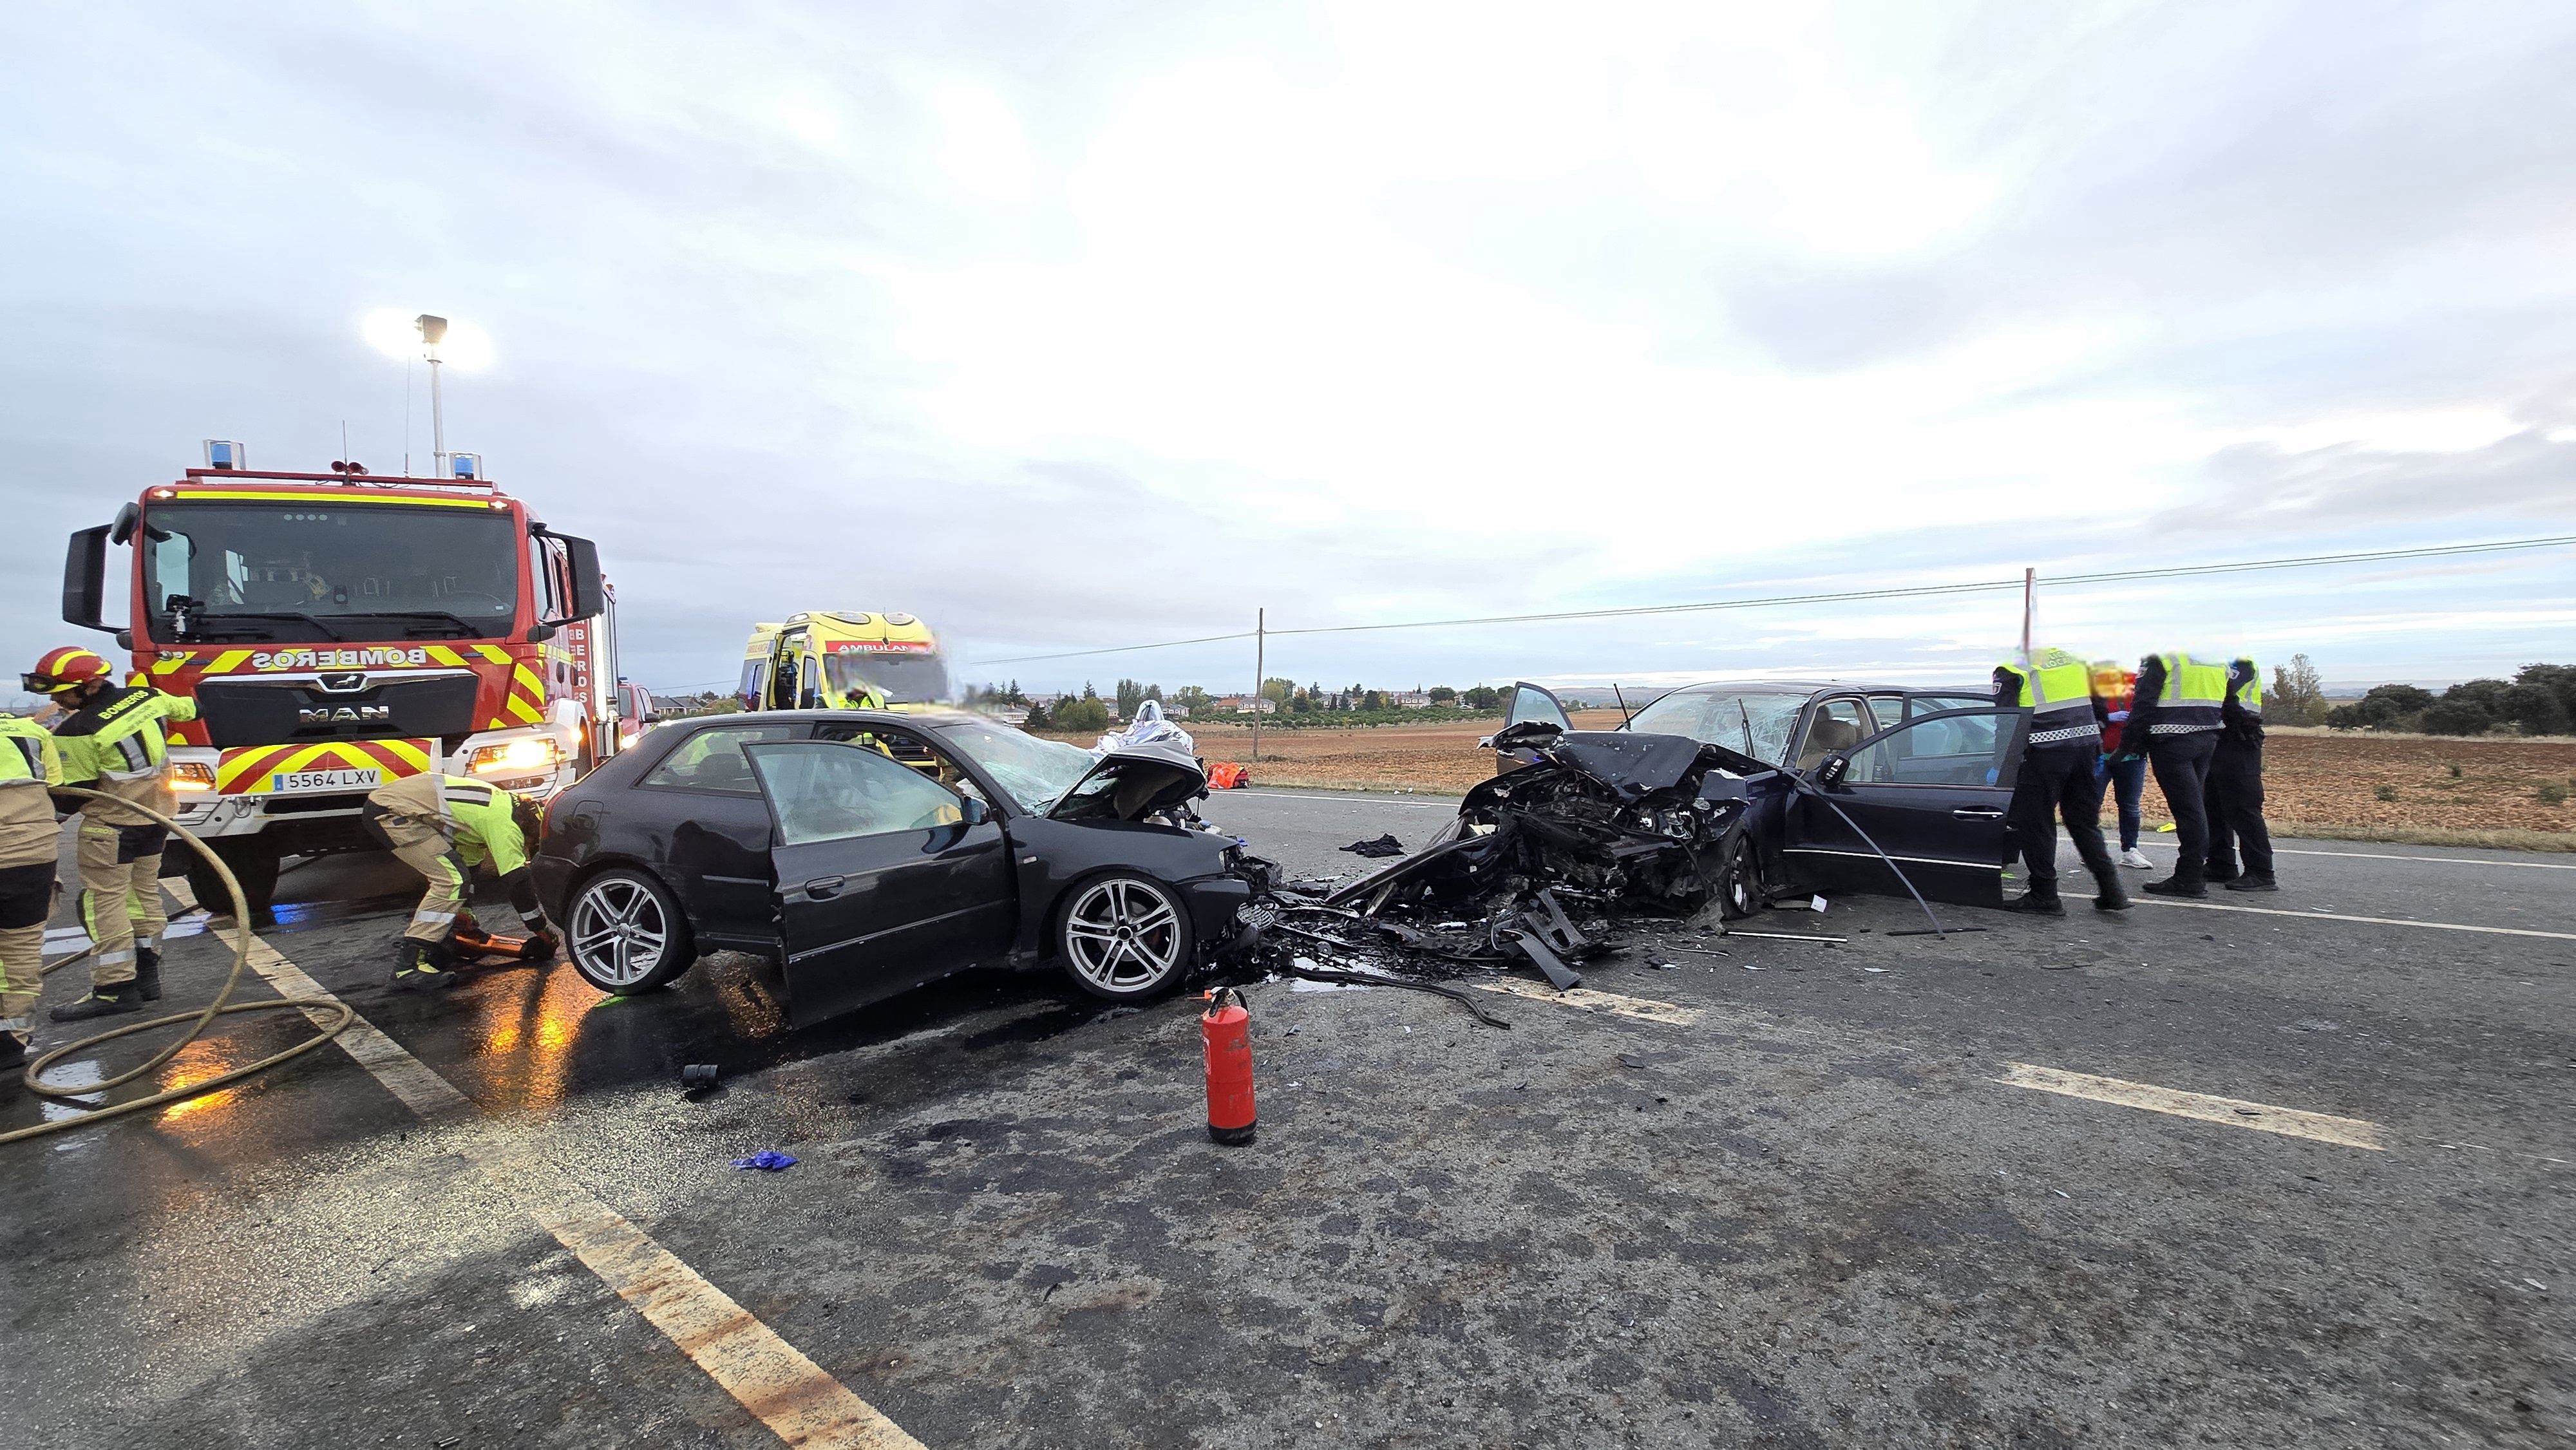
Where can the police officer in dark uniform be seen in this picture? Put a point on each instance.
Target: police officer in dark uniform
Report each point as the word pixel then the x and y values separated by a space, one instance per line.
pixel 2174 723
pixel 2235 794
pixel 2057 779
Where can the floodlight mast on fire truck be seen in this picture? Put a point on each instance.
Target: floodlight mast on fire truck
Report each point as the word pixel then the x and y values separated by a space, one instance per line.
pixel 340 630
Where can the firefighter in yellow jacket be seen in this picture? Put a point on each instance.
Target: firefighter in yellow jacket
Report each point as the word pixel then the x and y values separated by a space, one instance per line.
pixel 115 740
pixel 440 826
pixel 29 835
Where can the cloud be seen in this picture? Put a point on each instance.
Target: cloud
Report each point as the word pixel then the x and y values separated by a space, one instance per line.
pixel 1071 330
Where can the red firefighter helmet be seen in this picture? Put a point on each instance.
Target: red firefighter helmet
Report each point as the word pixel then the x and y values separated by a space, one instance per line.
pixel 65 668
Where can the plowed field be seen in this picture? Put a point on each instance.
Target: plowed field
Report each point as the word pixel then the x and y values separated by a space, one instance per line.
pixel 2317 782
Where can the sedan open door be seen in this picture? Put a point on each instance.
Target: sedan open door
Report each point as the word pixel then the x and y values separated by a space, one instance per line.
pixel 886 879
pixel 1929 794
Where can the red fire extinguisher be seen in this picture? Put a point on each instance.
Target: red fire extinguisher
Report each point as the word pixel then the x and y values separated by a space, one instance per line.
pixel 1226 1032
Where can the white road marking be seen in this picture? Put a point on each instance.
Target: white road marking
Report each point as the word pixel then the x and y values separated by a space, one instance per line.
pixel 1365 800
pixel 2068 854
pixel 2365 920
pixel 1584 999
pixel 2234 1112
pixel 792 1395
pixel 2437 860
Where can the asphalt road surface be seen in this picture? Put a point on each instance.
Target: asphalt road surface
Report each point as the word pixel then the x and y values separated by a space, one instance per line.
pixel 2187 1176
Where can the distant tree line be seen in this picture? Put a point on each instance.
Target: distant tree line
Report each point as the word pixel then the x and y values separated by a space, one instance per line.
pixel 1294 705
pixel 2538 700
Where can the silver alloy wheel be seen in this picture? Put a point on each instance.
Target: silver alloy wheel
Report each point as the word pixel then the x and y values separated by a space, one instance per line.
pixel 618 931
pixel 1123 936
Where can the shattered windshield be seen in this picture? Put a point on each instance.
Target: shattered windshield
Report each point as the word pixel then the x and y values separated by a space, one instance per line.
pixel 1035 772
pixel 1759 724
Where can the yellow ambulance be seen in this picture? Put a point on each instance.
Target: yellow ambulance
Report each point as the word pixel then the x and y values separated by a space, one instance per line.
pixel 843 660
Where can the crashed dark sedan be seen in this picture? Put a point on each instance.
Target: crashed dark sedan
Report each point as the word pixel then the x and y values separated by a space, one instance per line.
pixel 867 852
pixel 1644 820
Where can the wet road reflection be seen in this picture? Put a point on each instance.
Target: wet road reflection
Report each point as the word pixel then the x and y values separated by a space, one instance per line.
pixel 207 1057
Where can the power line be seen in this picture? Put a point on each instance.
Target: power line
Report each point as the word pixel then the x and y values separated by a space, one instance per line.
pixel 1845 596
pixel 1122 649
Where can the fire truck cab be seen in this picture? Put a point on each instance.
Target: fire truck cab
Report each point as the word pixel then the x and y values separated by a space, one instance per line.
pixel 340 630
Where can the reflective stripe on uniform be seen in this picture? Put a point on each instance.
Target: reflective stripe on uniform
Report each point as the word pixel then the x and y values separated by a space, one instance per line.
pixel 2057 689
pixel 2192 695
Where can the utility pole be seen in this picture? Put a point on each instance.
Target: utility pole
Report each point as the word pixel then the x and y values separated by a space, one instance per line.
pixel 2029 599
pixel 1260 667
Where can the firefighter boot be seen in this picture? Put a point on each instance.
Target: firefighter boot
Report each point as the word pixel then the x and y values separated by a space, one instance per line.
pixel 423 968
pixel 13 1051
pixel 101 1002
pixel 147 972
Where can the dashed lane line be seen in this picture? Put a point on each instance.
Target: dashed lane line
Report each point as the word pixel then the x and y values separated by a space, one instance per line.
pixel 2365 920
pixel 2234 1112
pixel 1584 999
pixel 801 1403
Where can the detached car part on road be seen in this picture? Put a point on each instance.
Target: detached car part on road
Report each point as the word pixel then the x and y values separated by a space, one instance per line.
pixel 867 852
pixel 1638 820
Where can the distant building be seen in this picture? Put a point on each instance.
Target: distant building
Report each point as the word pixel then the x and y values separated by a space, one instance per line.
pixel 1409 699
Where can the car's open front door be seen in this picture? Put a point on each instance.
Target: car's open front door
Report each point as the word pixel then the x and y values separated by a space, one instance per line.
pixel 1930 793
pixel 1528 704
pixel 886 879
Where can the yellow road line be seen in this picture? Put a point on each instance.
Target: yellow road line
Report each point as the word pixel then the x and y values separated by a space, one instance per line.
pixel 1584 999
pixel 2234 1112
pixel 805 1406
pixel 2365 920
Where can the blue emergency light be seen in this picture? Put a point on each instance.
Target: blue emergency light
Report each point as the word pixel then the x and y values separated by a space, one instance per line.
pixel 225 454
pixel 465 465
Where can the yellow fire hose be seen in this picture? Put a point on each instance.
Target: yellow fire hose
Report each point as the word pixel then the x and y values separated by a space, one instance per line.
pixel 331 1015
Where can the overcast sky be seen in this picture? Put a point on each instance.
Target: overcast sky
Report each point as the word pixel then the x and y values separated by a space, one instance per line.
pixel 1067 326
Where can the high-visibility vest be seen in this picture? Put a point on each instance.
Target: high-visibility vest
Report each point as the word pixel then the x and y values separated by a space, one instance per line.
pixel 2191 698
pixel 126 738
pixel 28 764
pixel 2057 689
pixel 476 817
pixel 2249 690
pixel 28 756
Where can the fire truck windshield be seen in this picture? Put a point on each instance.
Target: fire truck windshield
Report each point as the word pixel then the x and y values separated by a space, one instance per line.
pixel 900 679
pixel 294 571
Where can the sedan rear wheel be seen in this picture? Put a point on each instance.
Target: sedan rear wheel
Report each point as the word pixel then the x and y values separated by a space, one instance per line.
pixel 1124 936
pixel 626 935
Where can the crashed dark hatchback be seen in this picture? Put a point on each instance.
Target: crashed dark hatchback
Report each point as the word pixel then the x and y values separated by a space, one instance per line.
pixel 867 852
pixel 1635 820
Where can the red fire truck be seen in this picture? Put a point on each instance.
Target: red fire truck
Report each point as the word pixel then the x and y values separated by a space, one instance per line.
pixel 340 630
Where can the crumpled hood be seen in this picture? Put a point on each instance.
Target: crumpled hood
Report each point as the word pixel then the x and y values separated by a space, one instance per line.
pixel 1132 781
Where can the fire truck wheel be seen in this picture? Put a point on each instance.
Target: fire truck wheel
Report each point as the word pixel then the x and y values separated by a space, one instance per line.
pixel 1123 936
pixel 253 865
pixel 626 934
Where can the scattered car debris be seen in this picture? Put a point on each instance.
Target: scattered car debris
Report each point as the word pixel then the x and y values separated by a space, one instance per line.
pixel 767 1160
pixel 698 1077
pixel 1386 845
